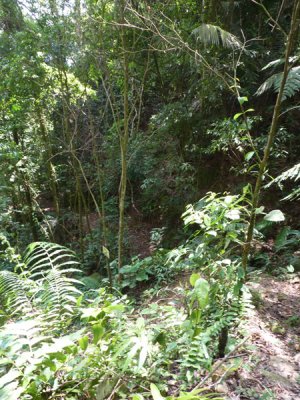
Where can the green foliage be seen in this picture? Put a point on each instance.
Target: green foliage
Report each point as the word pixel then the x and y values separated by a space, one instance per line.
pixel 43 283
pixel 215 303
pixel 65 102
pixel 193 395
pixel 282 257
pixel 291 87
pixel 293 174
pixel 214 35
pixel 112 340
pixel 150 268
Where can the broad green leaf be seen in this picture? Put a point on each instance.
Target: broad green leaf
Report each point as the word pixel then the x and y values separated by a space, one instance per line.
pixel 202 292
pixel 91 312
pixel 137 397
pixel 233 214
pixel 105 251
pixel 290 268
pixel 155 392
pixel 11 375
pixel 242 100
pixel 249 155
pixel 194 278
pixel 113 308
pixel 274 216
pixel 237 116
pixel 83 342
pixel 98 332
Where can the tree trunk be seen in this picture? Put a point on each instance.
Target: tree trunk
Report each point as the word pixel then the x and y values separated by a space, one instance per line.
pixel 50 166
pixel 124 134
pixel 272 133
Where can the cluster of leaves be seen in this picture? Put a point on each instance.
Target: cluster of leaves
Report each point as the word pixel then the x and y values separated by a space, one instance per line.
pixel 279 256
pixel 56 341
pixel 150 268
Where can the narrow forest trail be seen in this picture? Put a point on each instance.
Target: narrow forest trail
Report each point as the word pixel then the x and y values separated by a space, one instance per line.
pixel 273 360
pixel 270 359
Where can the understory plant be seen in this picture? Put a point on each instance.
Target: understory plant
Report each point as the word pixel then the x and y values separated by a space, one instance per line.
pixel 59 342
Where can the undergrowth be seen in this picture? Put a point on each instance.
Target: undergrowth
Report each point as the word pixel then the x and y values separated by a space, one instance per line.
pixel 60 339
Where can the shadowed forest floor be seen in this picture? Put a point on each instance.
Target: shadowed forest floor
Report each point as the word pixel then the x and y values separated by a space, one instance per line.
pixel 267 367
pixel 274 359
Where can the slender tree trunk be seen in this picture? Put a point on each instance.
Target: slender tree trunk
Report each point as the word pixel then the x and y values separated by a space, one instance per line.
pixel 124 135
pixel 27 192
pixel 50 166
pixel 102 214
pixel 272 133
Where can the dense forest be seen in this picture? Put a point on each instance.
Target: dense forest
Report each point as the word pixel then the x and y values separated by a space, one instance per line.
pixel 149 208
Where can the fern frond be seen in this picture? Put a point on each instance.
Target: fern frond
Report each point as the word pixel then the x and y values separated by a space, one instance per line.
pixel 213 35
pixel 58 296
pixel 292 85
pixel 13 293
pixel 50 264
pixel 292 174
pixel 280 61
pixel 42 257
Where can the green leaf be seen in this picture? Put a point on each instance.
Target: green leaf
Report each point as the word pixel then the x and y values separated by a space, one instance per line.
pixel 11 391
pixel 210 34
pixel 98 332
pixel 91 312
pixel 105 251
pixel 274 216
pixel 113 308
pixel 249 155
pixel 194 278
pixel 233 214
pixel 12 375
pixel 290 268
pixel 202 292
pixel 242 100
pixel 155 392
pixel 237 116
pixel 83 342
pixel 281 238
pixel 137 397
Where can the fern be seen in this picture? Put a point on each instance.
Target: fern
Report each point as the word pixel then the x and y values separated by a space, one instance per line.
pixel 42 257
pixel 214 35
pixel 50 264
pixel 13 293
pixel 200 351
pixel 292 85
pixel 58 296
pixel 293 174
pixel 45 287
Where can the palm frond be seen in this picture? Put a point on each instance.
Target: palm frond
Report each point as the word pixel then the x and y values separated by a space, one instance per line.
pixel 280 61
pixel 213 35
pixel 292 85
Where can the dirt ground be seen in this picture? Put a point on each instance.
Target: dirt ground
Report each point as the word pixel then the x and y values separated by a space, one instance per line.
pixel 268 364
pixel 271 363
